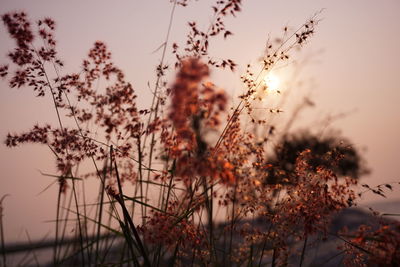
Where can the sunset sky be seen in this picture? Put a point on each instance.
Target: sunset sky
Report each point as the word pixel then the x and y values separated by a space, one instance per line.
pixel 350 66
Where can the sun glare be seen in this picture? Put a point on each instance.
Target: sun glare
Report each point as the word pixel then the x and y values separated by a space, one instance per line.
pixel 272 82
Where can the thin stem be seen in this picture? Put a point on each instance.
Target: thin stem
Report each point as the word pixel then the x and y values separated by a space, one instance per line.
pixel 232 221
pixel 2 231
pixel 57 226
pixel 120 199
pixel 79 221
pixel 100 210
pixel 273 264
pixel 303 252
pixel 62 238
pixel 152 142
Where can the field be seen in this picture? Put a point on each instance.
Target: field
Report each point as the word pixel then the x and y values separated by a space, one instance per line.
pixel 190 173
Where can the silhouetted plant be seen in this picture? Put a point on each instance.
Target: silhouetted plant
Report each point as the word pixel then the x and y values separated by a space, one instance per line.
pixel 181 177
pixel 333 152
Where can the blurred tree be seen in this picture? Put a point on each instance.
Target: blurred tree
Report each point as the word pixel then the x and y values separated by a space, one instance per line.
pixel 331 151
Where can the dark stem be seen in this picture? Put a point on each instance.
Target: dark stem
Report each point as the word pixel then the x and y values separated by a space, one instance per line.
pixel 303 252
pixel 79 221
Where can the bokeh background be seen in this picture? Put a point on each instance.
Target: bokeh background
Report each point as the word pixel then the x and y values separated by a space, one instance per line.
pixel 350 67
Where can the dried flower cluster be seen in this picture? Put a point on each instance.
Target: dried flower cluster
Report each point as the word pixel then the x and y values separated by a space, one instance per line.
pixel 188 160
pixel 380 246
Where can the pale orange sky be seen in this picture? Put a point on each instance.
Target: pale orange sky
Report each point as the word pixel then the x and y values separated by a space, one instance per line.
pixel 357 72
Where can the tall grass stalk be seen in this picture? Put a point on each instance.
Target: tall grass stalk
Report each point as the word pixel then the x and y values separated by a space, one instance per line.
pixel 206 191
pixel 2 239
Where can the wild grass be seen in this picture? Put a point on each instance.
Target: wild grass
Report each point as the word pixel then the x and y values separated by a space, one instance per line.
pixel 205 190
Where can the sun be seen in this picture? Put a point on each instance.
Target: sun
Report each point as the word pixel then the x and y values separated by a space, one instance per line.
pixel 272 82
pixel 270 85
